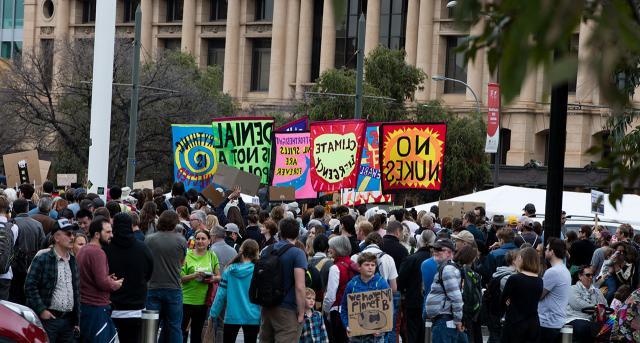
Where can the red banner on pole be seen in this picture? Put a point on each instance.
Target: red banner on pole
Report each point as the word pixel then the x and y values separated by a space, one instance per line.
pixel 493 118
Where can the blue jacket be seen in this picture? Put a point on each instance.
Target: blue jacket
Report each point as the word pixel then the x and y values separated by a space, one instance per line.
pixel 495 259
pixel 428 269
pixel 234 291
pixel 356 285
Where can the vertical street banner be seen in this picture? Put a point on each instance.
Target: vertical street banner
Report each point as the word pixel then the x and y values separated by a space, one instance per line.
pixel 245 143
pixel 195 155
pixel 412 156
pixel 292 163
pixel 493 119
pixel 369 189
pixel 298 125
pixel 335 154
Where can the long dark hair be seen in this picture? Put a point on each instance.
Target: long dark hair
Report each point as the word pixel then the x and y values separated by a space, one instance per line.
pixel 148 215
pixel 249 249
pixel 234 216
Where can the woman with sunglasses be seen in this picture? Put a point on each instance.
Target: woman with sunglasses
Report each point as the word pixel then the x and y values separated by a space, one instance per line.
pixel 583 295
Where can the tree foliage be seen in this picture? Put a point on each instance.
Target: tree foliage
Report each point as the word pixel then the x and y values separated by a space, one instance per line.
pixel 466 167
pixel 58 105
pixel 522 35
pixel 387 75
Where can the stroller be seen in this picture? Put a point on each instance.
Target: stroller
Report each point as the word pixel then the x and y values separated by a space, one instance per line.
pixel 602 321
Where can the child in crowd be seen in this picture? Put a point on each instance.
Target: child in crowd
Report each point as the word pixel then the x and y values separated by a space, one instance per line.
pixel 620 296
pixel 368 280
pixel 313 330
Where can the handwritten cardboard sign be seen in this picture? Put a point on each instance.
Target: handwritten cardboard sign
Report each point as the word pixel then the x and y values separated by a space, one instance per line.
pixel 66 179
pixel 22 167
pixel 143 184
pixel 412 156
pixel 287 193
pixel 212 194
pixel 336 147
pixel 370 312
pixel 456 209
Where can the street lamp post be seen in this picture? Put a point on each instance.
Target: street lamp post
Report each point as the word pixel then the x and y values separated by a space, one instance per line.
pixel 444 78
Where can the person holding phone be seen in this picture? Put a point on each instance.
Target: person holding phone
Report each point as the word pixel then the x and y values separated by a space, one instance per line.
pixel 200 268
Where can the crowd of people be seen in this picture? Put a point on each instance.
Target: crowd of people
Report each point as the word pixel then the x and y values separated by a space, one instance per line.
pixel 89 268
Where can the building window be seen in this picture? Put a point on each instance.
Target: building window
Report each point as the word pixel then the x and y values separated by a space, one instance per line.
pixel 455 66
pixel 260 61
pixel 393 21
pixel 347 33
pixel 174 10
pixel 5 50
pixel 218 10
pixel 171 44
pixel 215 52
pixel 573 52
pixel 264 10
pixel 505 146
pixel 130 7
pixel 88 11
pixel 8 16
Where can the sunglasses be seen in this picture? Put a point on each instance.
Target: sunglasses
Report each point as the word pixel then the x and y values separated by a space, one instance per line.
pixel 588 274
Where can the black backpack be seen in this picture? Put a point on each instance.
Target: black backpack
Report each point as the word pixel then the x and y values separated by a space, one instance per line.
pixel 471 288
pixel 493 295
pixel 267 283
pixel 6 247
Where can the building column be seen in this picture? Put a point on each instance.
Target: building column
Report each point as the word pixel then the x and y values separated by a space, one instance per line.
pixel 291 56
pixel 188 26
pixel 328 42
pixel 474 68
pixel 231 45
pixel 146 53
pixel 62 21
pixel 425 46
pixel 586 81
pixel 305 46
pixel 529 87
pixel 278 44
pixel 411 34
pixel 29 29
pixel 372 30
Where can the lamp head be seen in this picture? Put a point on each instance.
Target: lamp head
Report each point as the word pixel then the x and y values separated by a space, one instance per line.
pixel 452 4
pixel 437 78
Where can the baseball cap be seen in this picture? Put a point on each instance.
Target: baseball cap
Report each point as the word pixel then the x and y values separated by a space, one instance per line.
pixel 512 220
pixel 529 208
pixel 444 243
pixel 464 236
pixel 63 224
pixel 231 227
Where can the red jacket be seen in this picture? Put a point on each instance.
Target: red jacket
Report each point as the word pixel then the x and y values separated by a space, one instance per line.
pixel 348 269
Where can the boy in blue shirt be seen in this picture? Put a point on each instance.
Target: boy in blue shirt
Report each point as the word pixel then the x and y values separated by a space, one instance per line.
pixel 368 280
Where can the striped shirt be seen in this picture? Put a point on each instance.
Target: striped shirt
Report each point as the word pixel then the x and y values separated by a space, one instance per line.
pixel 451 304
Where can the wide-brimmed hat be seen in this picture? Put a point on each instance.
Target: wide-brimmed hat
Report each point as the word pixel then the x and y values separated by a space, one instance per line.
pixel 464 236
pixel 498 221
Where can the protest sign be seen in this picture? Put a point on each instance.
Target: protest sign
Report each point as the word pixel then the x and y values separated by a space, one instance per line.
pixel 370 312
pixel 22 167
pixel 292 163
pixel 277 194
pixel 597 202
pixel 297 125
pixel 335 153
pixel 143 184
pixel 66 179
pixel 245 143
pixel 369 189
pixel 195 155
pixel 44 169
pixel 229 177
pixel 412 156
pixel 457 209
pixel 213 195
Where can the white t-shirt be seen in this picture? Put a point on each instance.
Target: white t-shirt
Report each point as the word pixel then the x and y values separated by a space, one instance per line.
pixel 552 308
pixel 387 266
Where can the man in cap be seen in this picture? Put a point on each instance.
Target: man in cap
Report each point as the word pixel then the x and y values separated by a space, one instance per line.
pixel 52 286
pixel 463 238
pixel 233 233
pixel 444 302
pixel 497 223
pixel 529 210
pixel 512 223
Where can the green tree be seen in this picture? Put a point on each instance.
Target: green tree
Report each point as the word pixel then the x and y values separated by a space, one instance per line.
pixel 387 75
pixel 466 167
pixel 522 35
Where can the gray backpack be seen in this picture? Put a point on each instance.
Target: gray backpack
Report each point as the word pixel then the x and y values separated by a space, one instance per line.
pixel 6 247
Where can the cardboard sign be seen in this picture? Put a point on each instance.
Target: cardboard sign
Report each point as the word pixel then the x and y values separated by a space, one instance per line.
pixel 212 194
pixel 412 156
pixel 22 167
pixel 370 312
pixel 597 202
pixel 66 179
pixel 195 156
pixel 228 177
pixel 44 169
pixel 245 143
pixel 277 194
pixel 456 209
pixel 297 125
pixel 335 154
pixel 292 163
pixel 143 184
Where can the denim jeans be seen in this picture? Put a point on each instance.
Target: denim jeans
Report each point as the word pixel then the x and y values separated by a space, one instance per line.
pixel 390 337
pixel 367 339
pixel 442 334
pixel 96 324
pixel 59 330
pixel 168 302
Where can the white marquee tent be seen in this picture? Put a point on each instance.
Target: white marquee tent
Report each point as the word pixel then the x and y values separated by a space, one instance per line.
pixel 510 200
